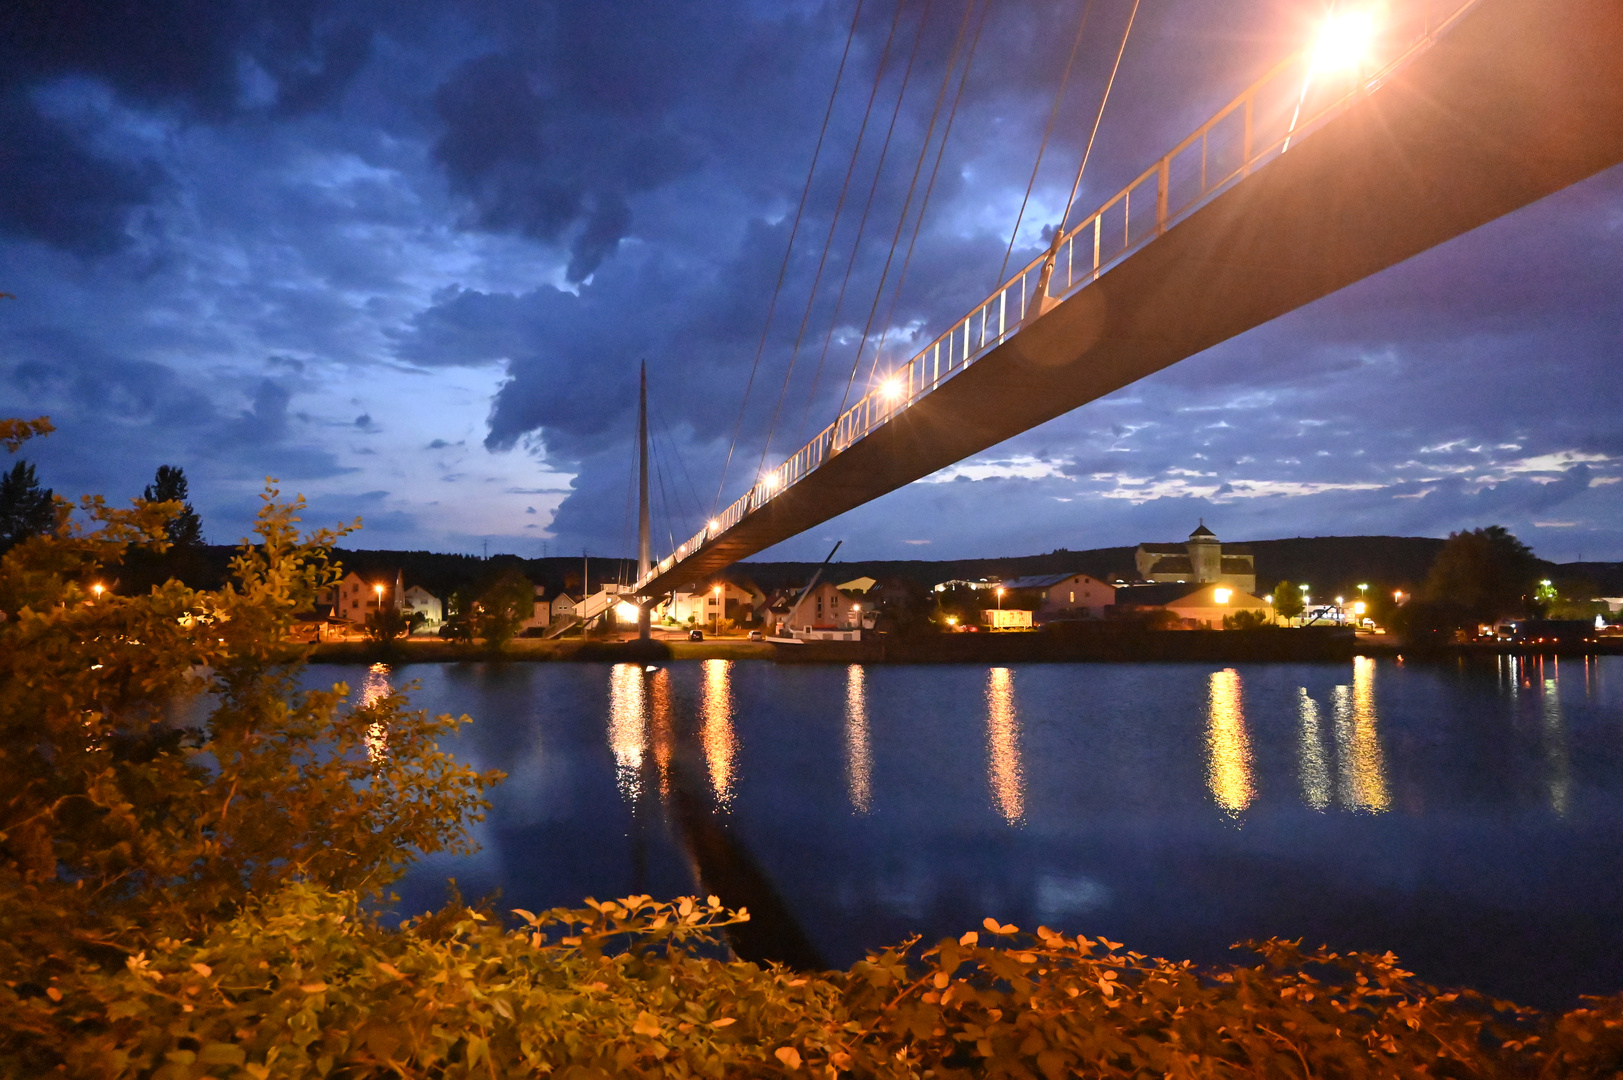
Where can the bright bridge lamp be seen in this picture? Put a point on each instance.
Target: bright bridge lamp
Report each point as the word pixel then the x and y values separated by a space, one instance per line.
pixel 1344 42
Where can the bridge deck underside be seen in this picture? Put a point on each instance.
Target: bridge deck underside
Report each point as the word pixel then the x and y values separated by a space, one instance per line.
pixel 1521 99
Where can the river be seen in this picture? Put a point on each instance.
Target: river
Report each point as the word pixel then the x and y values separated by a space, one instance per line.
pixel 1468 817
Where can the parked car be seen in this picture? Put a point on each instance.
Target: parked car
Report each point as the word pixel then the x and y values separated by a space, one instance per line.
pixel 695 635
pixel 756 635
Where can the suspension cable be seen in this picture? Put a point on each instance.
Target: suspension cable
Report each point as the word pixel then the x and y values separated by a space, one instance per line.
pixel 924 206
pixel 1042 148
pixel 901 222
pixel 1098 118
pixel 788 250
pixel 828 339
pixel 907 75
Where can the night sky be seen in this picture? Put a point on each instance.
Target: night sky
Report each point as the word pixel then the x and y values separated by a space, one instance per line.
pixel 405 257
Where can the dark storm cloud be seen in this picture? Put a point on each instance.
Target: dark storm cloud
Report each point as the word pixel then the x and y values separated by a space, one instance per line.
pixel 396 204
pixel 210 60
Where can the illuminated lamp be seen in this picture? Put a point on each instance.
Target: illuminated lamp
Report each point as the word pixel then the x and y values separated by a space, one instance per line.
pixel 1221 595
pixel 1344 41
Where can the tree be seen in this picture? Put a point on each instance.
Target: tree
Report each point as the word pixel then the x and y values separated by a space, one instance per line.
pixel 119 830
pixel 1288 600
pixel 184 528
pixel 26 509
pixel 1478 578
pixel 1246 619
pixel 503 607
pixel 388 623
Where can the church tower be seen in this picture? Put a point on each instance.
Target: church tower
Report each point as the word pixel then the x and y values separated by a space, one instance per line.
pixel 1205 554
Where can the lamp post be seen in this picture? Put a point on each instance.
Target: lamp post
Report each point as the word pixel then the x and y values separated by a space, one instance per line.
pixel 98 588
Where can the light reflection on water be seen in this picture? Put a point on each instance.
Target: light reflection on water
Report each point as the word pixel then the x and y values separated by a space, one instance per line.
pixel 1358 744
pixel 1003 745
pixel 1228 746
pixel 716 731
pixel 1386 805
pixel 1313 762
pixel 628 728
pixel 1555 749
pixel 858 752
pixel 375 689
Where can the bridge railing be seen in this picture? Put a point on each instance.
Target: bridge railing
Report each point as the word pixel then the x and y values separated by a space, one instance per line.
pixel 1288 103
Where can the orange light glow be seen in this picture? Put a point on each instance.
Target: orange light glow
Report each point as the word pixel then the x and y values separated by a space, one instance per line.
pixel 1344 41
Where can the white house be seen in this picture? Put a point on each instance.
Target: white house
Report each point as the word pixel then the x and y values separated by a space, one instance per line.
pixel 540 611
pixel 708 605
pixel 419 601
pixel 562 605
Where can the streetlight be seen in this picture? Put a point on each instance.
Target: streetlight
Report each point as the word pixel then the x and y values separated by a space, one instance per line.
pixel 1362 589
pixel 379 590
pixel 98 588
pixel 1000 598
pixel 1344 41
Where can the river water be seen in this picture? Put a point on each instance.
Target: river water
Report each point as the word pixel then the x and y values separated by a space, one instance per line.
pixel 1467 816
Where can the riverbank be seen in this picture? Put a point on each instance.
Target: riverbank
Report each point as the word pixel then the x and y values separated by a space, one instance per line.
pixel 1112 644
pixel 1104 644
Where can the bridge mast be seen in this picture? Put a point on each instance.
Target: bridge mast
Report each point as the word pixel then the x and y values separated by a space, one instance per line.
pixel 645 541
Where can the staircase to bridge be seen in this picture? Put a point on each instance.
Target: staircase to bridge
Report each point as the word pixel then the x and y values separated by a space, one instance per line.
pixel 1299 187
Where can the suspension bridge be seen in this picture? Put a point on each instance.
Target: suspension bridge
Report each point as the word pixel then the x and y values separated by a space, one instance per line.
pixel 1313 178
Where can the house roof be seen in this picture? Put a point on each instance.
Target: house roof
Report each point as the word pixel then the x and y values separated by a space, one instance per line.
pixel 1159 594
pixel 1043 581
pixel 1163 549
pixel 1238 564
pixel 1172 564
pixel 1202 531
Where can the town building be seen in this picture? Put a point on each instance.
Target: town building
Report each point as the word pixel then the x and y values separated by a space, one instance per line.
pixel 1197 607
pixel 826 612
pixel 1063 596
pixel 417 600
pixel 1006 618
pixel 562 606
pixel 354 598
pixel 711 604
pixel 1199 561
pixel 540 612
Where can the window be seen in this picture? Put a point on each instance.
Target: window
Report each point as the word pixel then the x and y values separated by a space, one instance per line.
pixel 1073 596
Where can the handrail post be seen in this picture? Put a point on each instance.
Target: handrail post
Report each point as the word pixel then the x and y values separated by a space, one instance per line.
pixel 1162 180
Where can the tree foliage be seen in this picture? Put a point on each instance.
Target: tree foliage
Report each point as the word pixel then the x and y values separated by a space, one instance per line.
pixel 1288 600
pixel 184 528
pixel 163 766
pixel 305 984
pixel 1479 577
pixel 502 607
pixel 26 508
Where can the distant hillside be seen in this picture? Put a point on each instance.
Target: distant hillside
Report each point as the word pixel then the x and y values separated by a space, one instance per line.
pixel 1331 564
